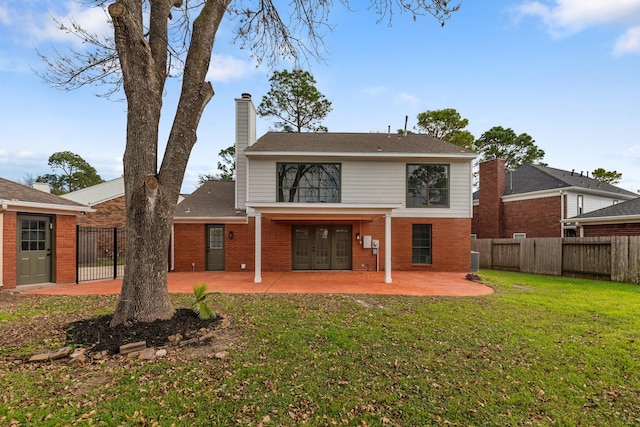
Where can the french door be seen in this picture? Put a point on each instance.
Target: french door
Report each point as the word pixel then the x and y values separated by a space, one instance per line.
pixel 321 247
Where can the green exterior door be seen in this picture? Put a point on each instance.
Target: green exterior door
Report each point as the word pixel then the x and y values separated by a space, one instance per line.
pixel 34 257
pixel 215 247
pixel 321 247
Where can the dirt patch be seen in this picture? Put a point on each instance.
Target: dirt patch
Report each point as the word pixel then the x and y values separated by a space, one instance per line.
pixel 96 335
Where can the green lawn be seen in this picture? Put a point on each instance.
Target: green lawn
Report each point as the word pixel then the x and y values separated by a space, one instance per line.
pixel 540 351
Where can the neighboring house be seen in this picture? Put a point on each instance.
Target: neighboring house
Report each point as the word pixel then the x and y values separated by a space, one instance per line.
pixel 622 219
pixel 38 234
pixel 535 201
pixel 107 199
pixel 330 201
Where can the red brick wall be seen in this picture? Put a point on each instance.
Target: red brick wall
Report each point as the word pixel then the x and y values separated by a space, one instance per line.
pixel 189 241
pixel 9 251
pixel 65 249
pixel 489 218
pixel 451 245
pixel 108 214
pixel 450 240
pixel 612 230
pixel 536 217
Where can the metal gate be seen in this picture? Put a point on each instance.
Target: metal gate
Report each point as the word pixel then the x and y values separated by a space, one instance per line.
pixel 99 253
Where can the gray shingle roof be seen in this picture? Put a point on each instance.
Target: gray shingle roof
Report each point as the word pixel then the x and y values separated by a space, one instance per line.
pixel 369 143
pixel 628 208
pixel 528 178
pixel 212 199
pixel 13 191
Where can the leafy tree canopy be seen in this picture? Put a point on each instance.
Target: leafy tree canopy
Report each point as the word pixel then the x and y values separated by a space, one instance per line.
pixel 226 168
pixel 295 102
pixel 446 124
pixel 505 144
pixel 610 177
pixel 75 173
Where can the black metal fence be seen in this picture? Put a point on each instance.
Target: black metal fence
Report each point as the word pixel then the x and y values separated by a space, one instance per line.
pixel 99 253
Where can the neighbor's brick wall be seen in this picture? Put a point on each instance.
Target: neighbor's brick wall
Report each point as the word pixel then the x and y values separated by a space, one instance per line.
pixel 536 217
pixel 612 230
pixel 490 214
pixel 65 249
pixel 108 214
pixel 9 251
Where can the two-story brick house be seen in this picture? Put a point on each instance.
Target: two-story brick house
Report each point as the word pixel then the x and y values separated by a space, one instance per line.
pixel 330 201
pixel 535 201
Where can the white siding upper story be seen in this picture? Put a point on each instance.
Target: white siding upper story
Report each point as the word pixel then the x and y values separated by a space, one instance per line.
pixel 591 202
pixel 370 182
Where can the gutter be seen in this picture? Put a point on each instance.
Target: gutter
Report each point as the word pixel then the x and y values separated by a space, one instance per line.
pixel 43 207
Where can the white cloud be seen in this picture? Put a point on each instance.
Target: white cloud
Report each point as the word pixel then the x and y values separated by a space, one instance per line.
pixel 634 151
pixel 5 16
pixel 94 20
pixel 565 17
pixel 629 42
pixel 406 99
pixel 225 68
pixel 373 90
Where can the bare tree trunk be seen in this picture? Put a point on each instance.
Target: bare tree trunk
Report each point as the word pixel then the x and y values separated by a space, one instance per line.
pixel 151 195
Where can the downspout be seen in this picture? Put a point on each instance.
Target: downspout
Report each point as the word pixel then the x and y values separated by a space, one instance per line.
pixel 562 193
pixel 2 211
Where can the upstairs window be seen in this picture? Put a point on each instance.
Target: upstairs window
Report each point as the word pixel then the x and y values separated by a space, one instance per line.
pixel 308 182
pixel 580 204
pixel 427 185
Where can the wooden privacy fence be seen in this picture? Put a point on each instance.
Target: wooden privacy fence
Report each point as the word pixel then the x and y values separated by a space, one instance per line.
pixel 615 258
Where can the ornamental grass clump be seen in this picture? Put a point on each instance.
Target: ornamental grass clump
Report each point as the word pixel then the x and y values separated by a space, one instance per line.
pixel 200 305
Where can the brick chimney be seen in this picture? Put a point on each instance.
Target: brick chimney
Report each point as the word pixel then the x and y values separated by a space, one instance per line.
pixel 492 179
pixel 245 137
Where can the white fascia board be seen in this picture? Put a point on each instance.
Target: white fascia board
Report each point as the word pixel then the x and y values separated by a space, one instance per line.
pixel 324 207
pixel 321 211
pixel 376 156
pixel 557 191
pixel 9 205
pixel 98 193
pixel 211 220
pixel 618 219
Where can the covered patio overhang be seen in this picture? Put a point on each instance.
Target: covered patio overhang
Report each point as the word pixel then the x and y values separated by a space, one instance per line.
pixel 321 212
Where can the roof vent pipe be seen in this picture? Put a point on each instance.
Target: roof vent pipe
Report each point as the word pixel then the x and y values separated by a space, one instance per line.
pixel 406 119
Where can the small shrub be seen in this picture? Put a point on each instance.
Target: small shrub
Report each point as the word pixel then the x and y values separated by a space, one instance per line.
pixel 200 305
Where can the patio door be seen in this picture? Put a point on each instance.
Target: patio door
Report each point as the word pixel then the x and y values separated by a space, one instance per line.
pixel 321 247
pixel 34 250
pixel 215 247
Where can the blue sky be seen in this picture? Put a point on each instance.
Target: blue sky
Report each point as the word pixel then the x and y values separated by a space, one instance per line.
pixel 567 72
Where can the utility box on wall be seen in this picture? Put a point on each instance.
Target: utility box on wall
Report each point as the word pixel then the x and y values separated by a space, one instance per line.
pixel 366 242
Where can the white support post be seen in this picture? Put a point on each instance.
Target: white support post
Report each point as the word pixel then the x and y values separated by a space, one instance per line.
pixel 258 270
pixel 387 248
